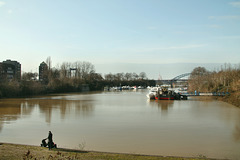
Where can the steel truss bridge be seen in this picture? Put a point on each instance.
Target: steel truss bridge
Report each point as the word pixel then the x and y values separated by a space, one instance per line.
pixel 175 79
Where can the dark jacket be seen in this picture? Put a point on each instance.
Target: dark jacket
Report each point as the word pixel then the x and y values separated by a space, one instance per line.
pixel 50 137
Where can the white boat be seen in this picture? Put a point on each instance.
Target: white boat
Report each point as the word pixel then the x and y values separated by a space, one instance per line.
pixel 152 92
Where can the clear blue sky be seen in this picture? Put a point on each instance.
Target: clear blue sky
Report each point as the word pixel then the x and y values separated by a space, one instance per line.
pixel 112 32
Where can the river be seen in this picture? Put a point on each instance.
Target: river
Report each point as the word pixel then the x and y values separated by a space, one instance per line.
pixel 125 122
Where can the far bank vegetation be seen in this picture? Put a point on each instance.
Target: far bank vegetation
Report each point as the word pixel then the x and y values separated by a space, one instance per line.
pixel 227 79
pixel 69 77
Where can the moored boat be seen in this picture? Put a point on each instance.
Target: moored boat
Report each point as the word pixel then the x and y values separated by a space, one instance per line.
pixel 152 92
pixel 163 93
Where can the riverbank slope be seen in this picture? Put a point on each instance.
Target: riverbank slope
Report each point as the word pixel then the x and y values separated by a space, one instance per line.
pixel 20 152
pixel 233 99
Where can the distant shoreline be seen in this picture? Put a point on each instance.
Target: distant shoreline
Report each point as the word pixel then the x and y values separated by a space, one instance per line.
pixel 233 98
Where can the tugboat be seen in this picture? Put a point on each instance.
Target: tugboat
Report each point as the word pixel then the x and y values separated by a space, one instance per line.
pixel 162 93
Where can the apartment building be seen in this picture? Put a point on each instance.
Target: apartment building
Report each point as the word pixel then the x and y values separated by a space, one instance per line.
pixel 10 70
pixel 43 68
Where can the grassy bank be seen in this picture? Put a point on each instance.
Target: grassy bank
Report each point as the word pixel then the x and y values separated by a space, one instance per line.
pixel 233 99
pixel 21 152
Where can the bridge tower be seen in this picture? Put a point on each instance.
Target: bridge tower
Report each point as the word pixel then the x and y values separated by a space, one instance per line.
pixel 73 72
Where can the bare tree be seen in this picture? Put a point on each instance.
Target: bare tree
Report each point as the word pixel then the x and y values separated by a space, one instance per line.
pixel 29 76
pixel 135 76
pixel 109 77
pixel 119 76
pixel 199 71
pixel 142 75
pixel 82 70
pixel 128 76
pixel 64 70
pixel 86 69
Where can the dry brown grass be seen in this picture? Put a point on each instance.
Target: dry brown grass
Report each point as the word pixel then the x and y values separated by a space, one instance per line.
pixel 27 152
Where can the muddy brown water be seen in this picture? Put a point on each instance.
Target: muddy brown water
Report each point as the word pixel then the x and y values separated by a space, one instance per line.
pixel 125 122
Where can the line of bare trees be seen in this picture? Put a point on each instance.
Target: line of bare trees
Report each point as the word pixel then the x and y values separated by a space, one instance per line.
pixel 125 76
pixel 71 77
pixel 128 79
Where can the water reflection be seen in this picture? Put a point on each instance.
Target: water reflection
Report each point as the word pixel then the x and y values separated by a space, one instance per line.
pixel 10 110
pixel 13 109
pixel 65 106
pixel 1 125
pixel 163 106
